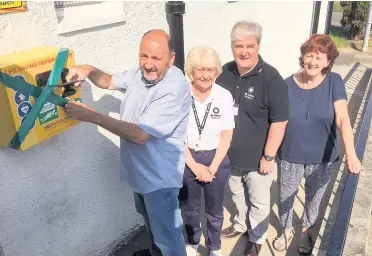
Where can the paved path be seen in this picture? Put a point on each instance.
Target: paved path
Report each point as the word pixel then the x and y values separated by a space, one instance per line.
pixel 336 18
pixel 235 246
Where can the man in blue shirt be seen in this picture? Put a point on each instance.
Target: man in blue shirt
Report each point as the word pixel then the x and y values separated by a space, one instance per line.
pixel 152 126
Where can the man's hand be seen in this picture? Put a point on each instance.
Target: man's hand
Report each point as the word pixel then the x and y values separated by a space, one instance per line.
pixel 202 174
pixel 98 77
pixel 353 164
pixel 79 111
pixel 266 166
pixel 77 73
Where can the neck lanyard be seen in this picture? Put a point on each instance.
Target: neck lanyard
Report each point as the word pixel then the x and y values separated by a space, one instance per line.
pixel 200 127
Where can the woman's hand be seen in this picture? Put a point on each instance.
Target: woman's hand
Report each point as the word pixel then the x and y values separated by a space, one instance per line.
pixel 213 169
pixel 343 124
pixel 202 173
pixel 353 164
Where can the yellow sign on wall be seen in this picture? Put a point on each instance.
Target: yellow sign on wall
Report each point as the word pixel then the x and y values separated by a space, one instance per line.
pixel 12 6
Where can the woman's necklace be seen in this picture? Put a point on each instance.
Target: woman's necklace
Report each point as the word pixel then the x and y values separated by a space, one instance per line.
pixel 307 107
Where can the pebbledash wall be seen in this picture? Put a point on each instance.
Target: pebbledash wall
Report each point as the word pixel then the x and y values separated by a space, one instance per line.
pixel 64 196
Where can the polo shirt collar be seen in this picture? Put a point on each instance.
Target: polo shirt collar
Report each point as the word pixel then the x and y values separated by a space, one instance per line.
pixel 232 66
pixel 148 84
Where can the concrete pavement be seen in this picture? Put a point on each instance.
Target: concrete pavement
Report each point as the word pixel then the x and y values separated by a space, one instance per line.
pixel 336 19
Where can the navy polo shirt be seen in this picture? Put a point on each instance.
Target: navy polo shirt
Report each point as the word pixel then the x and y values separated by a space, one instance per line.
pixel 311 136
pixel 262 97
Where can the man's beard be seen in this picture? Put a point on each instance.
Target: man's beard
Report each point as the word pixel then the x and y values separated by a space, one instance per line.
pixel 147 81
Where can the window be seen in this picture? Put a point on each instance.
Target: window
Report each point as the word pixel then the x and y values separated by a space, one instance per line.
pixel 78 15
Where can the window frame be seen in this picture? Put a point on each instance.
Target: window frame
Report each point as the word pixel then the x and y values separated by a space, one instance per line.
pixel 81 16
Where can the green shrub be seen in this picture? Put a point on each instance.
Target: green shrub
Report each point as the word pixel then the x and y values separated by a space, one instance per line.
pixel 354 17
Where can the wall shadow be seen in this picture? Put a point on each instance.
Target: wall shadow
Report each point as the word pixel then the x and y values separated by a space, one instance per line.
pixel 93 29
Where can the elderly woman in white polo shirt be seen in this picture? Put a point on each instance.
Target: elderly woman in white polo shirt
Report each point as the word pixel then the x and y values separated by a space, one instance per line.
pixel 209 133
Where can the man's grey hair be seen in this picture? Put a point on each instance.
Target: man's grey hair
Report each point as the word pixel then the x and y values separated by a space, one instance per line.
pixel 245 28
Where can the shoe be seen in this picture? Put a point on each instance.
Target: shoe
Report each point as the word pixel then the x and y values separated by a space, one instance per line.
pixel 229 232
pixel 252 249
pixel 306 243
pixel 143 253
pixel 191 250
pixel 282 242
pixel 215 253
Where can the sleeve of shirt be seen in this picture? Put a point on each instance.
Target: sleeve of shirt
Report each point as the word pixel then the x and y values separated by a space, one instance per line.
pixel 164 113
pixel 338 89
pixel 277 97
pixel 228 122
pixel 122 80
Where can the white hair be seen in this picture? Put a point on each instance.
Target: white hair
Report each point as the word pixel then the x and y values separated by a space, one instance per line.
pixel 243 29
pixel 202 56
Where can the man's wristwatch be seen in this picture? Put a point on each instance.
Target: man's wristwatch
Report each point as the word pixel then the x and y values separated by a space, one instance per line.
pixel 268 158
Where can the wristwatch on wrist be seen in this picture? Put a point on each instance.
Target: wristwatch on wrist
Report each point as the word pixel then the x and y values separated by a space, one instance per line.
pixel 268 158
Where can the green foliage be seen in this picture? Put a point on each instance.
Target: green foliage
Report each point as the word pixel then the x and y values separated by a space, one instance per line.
pixel 354 17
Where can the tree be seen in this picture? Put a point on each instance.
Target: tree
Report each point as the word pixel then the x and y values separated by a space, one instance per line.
pixel 354 17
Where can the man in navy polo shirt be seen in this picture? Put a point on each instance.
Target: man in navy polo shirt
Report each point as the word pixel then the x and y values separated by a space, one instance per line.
pixel 261 113
pixel 152 126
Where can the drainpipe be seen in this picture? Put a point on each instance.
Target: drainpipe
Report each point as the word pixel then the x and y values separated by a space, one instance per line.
pixel 329 17
pixel 315 18
pixel 174 11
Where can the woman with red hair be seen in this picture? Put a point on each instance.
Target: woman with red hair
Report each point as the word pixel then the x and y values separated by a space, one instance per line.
pixel 310 149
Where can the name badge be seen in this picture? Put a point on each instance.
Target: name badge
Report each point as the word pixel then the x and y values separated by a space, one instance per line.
pixel 236 109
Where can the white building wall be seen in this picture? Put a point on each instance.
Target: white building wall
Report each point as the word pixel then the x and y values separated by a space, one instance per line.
pixel 64 196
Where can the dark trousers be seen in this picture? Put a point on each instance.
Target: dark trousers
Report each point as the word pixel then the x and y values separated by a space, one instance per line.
pixel 213 195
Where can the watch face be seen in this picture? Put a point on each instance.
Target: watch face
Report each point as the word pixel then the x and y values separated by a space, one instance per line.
pixel 268 158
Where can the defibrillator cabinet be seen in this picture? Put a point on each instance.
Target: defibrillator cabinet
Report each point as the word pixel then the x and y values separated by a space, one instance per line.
pixel 31 79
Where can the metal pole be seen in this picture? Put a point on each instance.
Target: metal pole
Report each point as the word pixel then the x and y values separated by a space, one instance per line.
pixel 174 11
pixel 315 19
pixel 329 17
pixel 367 29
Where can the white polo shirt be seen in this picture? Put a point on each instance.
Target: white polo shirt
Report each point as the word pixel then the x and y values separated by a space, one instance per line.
pixel 220 118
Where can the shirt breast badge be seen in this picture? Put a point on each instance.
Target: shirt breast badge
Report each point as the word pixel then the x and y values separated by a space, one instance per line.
pixel 216 113
pixel 249 94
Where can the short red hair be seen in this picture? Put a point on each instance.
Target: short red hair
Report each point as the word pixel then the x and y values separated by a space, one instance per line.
pixel 320 43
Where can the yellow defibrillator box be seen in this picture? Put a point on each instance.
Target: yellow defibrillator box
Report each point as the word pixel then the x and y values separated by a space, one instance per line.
pixel 33 91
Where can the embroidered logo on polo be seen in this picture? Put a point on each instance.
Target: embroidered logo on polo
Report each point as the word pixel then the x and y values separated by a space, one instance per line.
pixel 215 114
pixel 249 94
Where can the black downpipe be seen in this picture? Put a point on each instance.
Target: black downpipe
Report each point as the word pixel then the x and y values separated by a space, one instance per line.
pixel 174 11
pixel 329 17
pixel 315 18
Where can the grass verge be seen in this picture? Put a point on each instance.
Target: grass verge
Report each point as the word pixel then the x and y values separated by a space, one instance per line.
pixel 340 38
pixel 337 7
